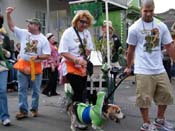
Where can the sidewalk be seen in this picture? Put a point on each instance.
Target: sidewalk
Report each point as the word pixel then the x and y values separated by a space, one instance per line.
pixel 53 116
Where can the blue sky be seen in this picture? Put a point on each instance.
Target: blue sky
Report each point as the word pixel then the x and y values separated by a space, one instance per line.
pixel 163 5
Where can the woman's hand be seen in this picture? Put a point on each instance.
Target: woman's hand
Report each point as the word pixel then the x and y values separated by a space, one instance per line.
pixel 88 52
pixel 82 62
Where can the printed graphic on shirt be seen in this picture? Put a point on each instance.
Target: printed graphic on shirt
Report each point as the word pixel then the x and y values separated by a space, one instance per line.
pixel 151 38
pixel 31 47
pixel 83 47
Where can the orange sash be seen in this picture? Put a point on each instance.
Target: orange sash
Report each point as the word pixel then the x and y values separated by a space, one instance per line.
pixel 75 69
pixel 26 67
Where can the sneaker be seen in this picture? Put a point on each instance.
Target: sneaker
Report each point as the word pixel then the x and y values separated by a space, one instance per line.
pixel 6 122
pixel 148 127
pixel 164 125
pixel 34 113
pixel 21 115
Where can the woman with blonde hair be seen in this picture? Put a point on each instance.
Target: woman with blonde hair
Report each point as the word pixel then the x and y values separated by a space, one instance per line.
pixel 74 51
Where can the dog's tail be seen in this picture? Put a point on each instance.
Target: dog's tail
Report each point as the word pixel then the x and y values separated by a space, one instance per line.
pixel 68 106
pixel 72 104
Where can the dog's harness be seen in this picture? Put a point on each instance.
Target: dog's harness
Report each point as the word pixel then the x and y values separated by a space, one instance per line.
pixel 91 114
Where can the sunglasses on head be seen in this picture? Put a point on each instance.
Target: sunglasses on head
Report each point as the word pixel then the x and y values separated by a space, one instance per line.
pixel 83 22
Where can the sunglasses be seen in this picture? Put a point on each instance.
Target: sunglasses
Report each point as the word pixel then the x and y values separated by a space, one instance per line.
pixel 83 22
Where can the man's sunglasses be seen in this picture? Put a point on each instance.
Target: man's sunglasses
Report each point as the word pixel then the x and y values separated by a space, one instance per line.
pixel 83 22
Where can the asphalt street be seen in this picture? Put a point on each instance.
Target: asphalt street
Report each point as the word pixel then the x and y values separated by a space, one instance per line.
pixel 53 116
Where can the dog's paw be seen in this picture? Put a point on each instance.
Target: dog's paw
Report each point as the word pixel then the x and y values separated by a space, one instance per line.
pixel 96 128
pixel 72 128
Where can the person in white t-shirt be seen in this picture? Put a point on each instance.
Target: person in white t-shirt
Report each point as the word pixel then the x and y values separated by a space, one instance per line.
pixel 144 46
pixel 74 63
pixel 34 48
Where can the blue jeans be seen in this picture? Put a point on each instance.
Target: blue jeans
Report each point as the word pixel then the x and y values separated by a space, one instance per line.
pixel 24 81
pixel 3 96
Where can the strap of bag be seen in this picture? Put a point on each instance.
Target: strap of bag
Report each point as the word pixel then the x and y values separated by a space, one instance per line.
pixel 81 43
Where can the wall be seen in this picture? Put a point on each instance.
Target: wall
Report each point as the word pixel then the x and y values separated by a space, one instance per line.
pixel 25 9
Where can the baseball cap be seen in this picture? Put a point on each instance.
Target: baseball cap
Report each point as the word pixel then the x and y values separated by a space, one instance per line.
pixel 34 21
pixel 109 23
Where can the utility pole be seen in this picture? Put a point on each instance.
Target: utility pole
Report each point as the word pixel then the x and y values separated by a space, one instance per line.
pixel 48 17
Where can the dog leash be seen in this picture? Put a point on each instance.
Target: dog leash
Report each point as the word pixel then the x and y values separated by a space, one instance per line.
pixel 122 77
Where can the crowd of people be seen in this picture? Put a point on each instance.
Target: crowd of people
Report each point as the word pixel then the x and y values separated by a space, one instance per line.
pixel 147 39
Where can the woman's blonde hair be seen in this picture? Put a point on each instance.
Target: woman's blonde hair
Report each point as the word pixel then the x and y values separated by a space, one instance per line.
pixel 80 14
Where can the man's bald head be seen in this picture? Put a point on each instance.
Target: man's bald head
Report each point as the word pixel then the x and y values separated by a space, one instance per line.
pixel 147 10
pixel 145 3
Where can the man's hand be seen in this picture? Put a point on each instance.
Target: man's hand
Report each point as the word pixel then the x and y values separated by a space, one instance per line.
pixel 33 58
pixel 9 10
pixel 10 22
pixel 170 50
pixel 128 70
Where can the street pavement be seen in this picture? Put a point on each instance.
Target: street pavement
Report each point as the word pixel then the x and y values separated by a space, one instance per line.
pixel 53 116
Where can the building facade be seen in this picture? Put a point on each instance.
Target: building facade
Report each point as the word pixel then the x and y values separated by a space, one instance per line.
pixel 54 14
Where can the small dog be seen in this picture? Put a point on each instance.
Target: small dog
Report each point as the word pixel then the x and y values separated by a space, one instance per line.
pixel 82 114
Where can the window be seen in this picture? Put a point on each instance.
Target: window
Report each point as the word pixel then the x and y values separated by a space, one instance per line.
pixel 42 16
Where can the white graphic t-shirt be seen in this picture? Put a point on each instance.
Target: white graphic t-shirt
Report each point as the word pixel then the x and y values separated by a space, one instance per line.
pixel 148 37
pixel 70 43
pixel 31 45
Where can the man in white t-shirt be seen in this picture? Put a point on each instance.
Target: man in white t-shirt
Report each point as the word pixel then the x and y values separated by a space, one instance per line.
pixel 34 48
pixel 144 46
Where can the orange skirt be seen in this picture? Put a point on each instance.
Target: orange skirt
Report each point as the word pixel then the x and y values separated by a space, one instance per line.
pixel 25 66
pixel 73 69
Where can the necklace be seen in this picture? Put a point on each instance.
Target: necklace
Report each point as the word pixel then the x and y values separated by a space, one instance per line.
pixel 144 29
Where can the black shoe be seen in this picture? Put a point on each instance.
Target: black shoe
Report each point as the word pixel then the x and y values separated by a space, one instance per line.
pixel 45 93
pixel 54 94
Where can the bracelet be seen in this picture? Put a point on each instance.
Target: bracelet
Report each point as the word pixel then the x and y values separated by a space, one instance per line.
pixel 76 61
pixel 37 57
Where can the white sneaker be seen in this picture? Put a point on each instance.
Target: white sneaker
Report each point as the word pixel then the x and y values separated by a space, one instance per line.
pixel 163 124
pixel 6 122
pixel 148 127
